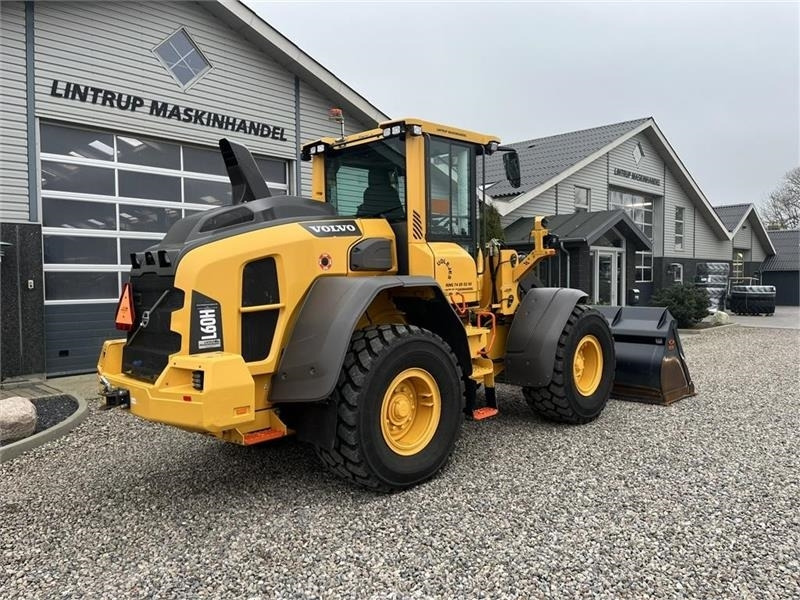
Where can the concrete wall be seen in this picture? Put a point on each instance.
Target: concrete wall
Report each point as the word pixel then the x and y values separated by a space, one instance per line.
pixel 21 306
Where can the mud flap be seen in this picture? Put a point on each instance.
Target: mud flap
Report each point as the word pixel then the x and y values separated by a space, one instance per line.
pixel 651 366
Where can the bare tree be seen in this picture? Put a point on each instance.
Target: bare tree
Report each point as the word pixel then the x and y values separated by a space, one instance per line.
pixel 782 210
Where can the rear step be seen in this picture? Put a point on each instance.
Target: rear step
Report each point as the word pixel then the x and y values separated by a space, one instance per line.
pixel 651 366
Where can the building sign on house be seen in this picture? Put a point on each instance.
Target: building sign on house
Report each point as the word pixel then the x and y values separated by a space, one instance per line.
pixel 637 176
pixel 164 110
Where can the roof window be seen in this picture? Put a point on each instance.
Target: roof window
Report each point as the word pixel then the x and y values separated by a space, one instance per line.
pixel 181 56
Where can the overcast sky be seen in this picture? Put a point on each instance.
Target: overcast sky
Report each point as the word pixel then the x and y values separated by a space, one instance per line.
pixel 722 80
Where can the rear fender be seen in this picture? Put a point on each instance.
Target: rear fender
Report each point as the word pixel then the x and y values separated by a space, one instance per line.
pixel 535 330
pixel 313 358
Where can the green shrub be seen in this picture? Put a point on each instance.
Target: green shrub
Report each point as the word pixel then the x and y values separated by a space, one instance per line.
pixel 493 226
pixel 687 303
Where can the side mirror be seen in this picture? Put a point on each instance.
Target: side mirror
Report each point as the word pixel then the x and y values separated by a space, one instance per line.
pixel 511 164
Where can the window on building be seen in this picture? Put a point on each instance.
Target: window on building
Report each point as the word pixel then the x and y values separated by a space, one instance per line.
pixel 583 198
pixel 679 220
pixel 638 153
pixel 738 264
pixel 181 56
pixel 105 195
pixel 644 267
pixel 676 270
pixel 638 207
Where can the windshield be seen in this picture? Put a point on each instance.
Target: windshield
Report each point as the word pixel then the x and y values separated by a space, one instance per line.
pixel 368 180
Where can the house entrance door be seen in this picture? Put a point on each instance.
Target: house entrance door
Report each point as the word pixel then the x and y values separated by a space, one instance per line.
pixel 609 276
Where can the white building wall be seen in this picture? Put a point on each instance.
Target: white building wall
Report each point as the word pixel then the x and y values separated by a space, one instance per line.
pixel 707 245
pixel 110 45
pixel 543 205
pixel 744 237
pixel 650 166
pixel 13 121
pixel 594 177
pixel 758 251
pixel 675 196
pixel 314 124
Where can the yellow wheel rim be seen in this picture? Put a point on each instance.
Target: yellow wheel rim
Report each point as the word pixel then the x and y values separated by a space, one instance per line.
pixel 412 406
pixel 587 365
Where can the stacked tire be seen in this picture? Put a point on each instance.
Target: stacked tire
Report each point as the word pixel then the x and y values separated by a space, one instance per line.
pixel 713 277
pixel 752 299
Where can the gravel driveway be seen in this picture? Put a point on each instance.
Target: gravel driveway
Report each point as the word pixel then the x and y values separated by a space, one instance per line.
pixel 698 499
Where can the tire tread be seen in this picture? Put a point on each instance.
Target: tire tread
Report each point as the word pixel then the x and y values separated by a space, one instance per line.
pixel 345 458
pixel 551 401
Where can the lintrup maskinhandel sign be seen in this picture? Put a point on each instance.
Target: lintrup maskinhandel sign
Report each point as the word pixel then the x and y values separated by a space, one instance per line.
pixel 165 110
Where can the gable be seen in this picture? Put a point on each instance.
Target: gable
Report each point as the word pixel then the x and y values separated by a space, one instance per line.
pixel 542 159
pixel 646 175
pixel 631 178
pixel 110 46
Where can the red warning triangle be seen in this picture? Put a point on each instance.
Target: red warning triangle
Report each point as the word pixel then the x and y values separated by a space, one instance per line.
pixel 125 315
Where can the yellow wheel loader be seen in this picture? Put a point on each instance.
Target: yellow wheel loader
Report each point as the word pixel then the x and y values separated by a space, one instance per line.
pixel 365 318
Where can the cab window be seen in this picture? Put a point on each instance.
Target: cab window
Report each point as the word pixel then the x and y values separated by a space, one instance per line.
pixel 451 185
pixel 368 180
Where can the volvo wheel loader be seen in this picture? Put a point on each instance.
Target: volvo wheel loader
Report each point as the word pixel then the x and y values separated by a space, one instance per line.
pixel 365 318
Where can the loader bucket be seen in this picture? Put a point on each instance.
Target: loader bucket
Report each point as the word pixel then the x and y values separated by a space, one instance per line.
pixel 650 362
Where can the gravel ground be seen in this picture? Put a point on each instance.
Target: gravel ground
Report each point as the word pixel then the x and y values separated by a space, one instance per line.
pixel 52 410
pixel 700 499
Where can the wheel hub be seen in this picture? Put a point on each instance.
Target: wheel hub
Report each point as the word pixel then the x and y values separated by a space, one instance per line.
pixel 410 411
pixel 587 365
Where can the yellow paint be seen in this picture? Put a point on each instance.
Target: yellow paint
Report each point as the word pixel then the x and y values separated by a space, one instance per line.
pixel 587 365
pixel 234 404
pixel 410 412
pixel 429 127
pixel 317 177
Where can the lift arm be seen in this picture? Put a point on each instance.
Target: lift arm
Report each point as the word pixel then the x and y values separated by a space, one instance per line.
pixel 542 240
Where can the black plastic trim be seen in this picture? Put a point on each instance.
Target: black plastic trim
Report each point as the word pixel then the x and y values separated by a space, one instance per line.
pixel 314 355
pixel 371 254
pixel 535 330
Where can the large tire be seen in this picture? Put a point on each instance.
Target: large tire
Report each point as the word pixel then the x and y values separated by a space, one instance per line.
pixel 563 400
pixel 388 433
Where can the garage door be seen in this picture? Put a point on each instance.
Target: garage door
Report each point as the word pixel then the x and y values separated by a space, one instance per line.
pixel 105 195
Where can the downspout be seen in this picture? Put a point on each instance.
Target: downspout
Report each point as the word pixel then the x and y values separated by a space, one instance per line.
pixel 30 108
pixel 566 252
pixel 298 161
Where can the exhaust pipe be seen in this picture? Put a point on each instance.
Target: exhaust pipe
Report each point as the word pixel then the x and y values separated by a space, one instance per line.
pixel 651 366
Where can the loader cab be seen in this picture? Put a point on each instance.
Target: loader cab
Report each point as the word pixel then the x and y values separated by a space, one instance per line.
pixel 421 178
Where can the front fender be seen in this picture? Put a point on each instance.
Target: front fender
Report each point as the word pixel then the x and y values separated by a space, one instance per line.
pixel 535 330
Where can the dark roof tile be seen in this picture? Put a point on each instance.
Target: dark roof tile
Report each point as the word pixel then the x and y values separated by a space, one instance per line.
pixel 581 228
pixel 544 158
pixel 731 214
pixel 787 248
